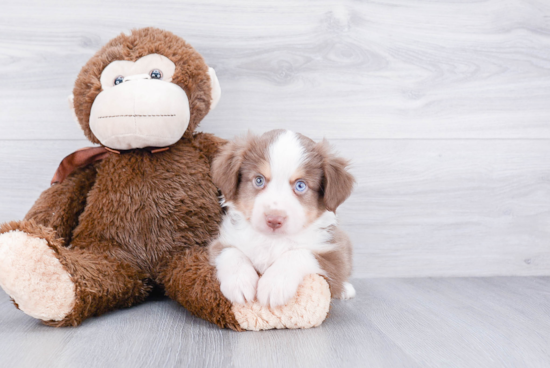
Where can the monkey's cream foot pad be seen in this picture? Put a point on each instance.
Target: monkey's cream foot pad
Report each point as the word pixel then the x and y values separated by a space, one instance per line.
pixel 307 309
pixel 33 276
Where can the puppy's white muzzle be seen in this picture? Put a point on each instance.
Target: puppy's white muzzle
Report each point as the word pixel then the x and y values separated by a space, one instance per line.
pixel 140 112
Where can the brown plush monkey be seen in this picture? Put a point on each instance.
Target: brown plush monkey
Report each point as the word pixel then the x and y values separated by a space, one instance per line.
pixel 137 212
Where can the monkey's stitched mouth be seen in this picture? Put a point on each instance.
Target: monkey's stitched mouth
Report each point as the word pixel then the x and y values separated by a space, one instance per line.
pixel 136 116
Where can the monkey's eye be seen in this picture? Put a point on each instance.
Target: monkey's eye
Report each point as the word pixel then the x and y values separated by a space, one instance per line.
pixel 259 181
pixel 155 74
pixel 119 80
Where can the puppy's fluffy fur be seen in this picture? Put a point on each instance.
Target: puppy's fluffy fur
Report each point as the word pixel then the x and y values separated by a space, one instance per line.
pixel 281 191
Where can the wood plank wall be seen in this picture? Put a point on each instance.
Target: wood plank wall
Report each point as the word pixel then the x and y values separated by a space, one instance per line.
pixel 443 107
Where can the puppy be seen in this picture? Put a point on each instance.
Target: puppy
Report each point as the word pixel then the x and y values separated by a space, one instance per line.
pixel 281 191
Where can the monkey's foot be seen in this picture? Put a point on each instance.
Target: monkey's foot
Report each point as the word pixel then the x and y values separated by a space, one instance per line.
pixel 309 308
pixel 33 277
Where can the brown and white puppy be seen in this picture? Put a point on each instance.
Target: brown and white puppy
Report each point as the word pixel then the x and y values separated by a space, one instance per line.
pixel 281 191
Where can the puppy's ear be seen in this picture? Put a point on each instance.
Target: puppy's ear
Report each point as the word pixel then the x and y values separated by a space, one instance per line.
pixel 337 181
pixel 226 168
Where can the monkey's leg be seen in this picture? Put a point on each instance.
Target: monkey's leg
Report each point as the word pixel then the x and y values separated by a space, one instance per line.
pixel 62 286
pixel 191 280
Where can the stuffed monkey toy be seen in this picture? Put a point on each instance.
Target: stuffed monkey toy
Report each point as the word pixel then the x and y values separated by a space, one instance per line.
pixel 137 212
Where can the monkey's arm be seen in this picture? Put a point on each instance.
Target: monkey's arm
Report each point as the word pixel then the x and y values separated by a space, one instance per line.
pixel 209 144
pixel 59 206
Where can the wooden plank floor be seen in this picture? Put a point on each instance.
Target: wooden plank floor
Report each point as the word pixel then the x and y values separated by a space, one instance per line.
pixel 418 322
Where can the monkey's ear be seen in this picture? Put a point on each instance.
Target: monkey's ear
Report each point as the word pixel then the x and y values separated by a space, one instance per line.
pixel 216 92
pixel 70 99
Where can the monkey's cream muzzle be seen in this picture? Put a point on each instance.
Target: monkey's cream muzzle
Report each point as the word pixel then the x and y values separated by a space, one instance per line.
pixel 140 112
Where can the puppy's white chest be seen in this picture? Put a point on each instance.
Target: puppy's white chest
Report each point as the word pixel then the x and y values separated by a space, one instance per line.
pixel 263 254
pixel 263 250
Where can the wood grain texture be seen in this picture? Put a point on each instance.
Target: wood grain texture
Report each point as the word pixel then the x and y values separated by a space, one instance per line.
pixel 449 207
pixel 389 69
pixel 469 322
pixel 443 108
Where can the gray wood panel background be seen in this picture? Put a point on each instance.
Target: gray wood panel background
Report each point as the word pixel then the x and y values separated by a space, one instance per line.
pixel 443 107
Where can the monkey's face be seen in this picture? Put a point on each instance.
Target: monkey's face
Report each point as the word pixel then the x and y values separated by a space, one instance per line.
pixel 127 99
pixel 139 106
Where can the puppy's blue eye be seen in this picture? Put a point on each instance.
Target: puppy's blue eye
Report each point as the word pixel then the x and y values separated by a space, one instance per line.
pixel 119 80
pixel 259 181
pixel 300 186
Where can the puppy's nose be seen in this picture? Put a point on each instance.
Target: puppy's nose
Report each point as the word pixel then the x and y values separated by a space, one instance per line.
pixel 274 221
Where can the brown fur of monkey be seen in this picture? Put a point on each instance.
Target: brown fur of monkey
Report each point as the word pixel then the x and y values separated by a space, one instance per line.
pixel 137 220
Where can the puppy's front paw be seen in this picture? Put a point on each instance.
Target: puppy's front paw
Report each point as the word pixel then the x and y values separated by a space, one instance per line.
pixel 239 286
pixel 277 288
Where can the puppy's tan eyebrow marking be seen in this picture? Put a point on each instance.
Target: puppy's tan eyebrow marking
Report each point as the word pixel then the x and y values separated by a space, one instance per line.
pixel 298 174
pixel 265 169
